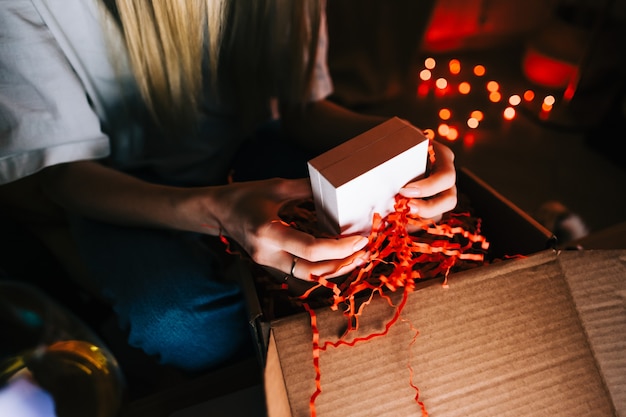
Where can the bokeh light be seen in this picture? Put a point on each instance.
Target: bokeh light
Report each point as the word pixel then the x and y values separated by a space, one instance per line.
pixel 453 134
pixel 423 89
pixel 495 96
pixel 514 100
pixel 479 70
pixel 455 66
pixel 469 139
pixel 478 115
pixel 493 86
pixel 465 87
pixel 455 123
pixel 549 100
pixel 445 114
pixel 529 95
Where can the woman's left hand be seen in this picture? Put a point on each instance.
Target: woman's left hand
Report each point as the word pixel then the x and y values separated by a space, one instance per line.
pixel 435 194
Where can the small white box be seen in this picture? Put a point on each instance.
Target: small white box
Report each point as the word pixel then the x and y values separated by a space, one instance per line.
pixel 362 176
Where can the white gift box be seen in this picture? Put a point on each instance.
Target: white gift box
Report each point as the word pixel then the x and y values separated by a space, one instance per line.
pixel 362 176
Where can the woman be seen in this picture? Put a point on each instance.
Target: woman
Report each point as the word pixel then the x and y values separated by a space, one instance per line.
pixel 131 114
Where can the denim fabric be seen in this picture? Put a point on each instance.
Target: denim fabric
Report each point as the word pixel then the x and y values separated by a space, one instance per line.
pixel 167 290
pixel 167 287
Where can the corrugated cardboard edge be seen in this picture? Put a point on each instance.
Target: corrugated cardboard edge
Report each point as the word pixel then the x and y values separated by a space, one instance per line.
pixel 601 306
pixel 276 397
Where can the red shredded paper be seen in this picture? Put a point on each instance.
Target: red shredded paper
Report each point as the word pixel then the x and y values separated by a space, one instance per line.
pixel 397 261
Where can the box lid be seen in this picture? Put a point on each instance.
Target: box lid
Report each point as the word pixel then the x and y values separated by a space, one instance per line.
pixel 366 151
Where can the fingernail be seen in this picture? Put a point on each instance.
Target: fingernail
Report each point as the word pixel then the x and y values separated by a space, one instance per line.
pixel 359 261
pixel 411 192
pixel 360 244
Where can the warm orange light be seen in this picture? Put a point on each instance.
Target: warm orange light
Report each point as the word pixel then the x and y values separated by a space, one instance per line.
pixel 549 100
pixel 493 86
pixel 472 123
pixel 529 95
pixel 430 63
pixel 514 100
pixel 465 87
pixel 479 70
pixel 445 114
pixel 429 133
pixel 453 134
pixel 495 96
pixel 509 113
pixel 441 83
pixel 478 115
pixel 443 130
pixel 546 107
pixel 425 75
pixel 455 66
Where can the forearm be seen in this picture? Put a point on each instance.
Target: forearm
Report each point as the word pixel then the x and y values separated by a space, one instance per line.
pixel 324 124
pixel 95 191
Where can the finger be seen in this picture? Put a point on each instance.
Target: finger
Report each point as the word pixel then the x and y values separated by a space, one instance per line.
pixel 295 189
pixel 442 176
pixel 308 247
pixel 306 270
pixel 432 207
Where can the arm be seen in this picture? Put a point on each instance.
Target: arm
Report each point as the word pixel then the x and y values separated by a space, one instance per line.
pixel 102 193
pixel 245 212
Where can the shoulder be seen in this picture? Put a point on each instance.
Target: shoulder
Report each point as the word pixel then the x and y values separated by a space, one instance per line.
pixel 45 114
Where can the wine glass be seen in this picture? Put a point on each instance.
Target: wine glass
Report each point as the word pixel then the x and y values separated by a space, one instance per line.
pixel 47 353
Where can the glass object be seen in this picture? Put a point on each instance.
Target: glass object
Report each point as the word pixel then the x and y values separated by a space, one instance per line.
pixel 51 363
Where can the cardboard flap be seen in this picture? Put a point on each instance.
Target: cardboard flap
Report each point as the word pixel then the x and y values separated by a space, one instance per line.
pixel 597 281
pixel 504 339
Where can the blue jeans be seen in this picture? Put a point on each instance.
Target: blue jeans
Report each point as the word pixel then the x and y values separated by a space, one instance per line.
pixel 168 292
pixel 167 287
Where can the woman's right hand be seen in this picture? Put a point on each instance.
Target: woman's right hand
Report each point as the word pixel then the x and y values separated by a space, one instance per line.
pixel 248 212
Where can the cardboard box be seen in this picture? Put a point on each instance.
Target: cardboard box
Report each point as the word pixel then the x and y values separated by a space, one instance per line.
pixel 540 336
pixel 285 345
pixel 360 177
pixel 509 230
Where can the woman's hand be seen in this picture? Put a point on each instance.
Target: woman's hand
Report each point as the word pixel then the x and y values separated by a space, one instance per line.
pixel 249 215
pixel 435 194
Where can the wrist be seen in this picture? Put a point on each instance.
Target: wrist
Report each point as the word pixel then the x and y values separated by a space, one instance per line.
pixel 198 210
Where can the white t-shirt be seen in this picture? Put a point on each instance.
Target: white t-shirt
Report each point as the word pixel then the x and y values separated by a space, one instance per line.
pixel 67 94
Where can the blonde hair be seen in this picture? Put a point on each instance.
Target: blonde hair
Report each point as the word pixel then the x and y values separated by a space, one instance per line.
pixel 252 50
